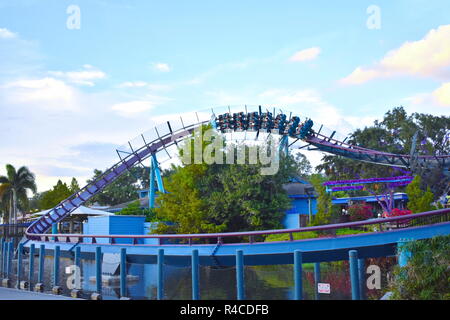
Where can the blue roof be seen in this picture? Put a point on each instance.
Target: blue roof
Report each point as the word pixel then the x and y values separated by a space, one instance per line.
pixel 299 180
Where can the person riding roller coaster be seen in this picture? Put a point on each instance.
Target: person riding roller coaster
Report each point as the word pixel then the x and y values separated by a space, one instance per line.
pixel 254 121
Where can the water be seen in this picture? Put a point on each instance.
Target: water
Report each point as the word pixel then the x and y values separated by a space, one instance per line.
pixel 273 282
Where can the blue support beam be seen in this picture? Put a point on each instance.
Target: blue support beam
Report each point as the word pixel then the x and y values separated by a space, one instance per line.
pixel 155 174
pixel 2 257
pixel 98 270
pixel 31 264
pixel 354 276
pixel 56 256
pixel 317 279
pixel 77 262
pixel 9 251
pixel 195 276
pixel 298 270
pixel 284 145
pixel 41 263
pixel 123 272
pixel 403 255
pixel 160 275
pixel 54 229
pixel 362 278
pixel 19 263
pixel 240 275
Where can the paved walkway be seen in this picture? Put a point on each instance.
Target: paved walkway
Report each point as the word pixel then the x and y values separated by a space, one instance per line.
pixel 14 294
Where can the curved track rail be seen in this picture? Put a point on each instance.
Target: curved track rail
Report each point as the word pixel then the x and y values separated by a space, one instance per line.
pixel 221 249
pixel 170 136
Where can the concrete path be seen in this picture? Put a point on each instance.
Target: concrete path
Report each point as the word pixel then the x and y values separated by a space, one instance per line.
pixel 14 294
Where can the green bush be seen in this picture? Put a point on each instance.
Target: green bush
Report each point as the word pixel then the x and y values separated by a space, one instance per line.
pixel 134 209
pixel 427 274
pixel 297 236
pixel 360 212
pixel 347 231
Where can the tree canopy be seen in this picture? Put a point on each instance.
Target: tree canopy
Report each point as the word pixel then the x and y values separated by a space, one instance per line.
pixel 123 189
pixel 224 197
pixel 58 193
pixel 395 134
pixel 13 190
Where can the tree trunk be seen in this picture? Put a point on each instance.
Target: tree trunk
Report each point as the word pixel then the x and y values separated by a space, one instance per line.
pixel 15 206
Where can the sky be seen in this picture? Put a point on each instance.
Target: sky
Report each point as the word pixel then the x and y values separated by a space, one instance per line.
pixel 79 78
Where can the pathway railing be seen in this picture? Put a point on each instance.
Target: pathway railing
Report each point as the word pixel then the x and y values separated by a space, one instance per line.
pixel 383 224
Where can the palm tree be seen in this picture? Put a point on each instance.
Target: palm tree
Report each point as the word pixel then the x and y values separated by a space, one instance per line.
pixel 13 189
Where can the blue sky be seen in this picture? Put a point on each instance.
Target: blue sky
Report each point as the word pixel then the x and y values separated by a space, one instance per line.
pixel 68 96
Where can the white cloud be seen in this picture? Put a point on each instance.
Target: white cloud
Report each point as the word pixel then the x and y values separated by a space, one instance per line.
pixel 435 102
pixel 133 84
pixel 143 84
pixel 305 55
pixel 428 57
pixel 83 77
pixel 162 67
pixel 309 103
pixel 442 95
pixel 132 108
pixel 6 34
pixel 46 93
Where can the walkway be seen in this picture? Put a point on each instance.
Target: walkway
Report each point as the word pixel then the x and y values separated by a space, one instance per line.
pixel 14 294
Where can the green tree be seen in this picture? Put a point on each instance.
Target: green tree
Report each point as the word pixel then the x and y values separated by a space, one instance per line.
pixel 241 198
pixel 223 197
pixel 134 209
pixel 427 274
pixel 419 200
pixel 394 134
pixel 304 167
pixel 13 190
pixel 74 186
pixel 123 189
pixel 324 205
pixel 53 197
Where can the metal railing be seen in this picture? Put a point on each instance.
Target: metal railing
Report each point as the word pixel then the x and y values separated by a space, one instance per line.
pixel 385 224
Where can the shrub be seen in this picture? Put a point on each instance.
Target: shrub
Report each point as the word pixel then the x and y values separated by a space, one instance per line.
pixel 297 236
pixel 359 212
pixel 427 274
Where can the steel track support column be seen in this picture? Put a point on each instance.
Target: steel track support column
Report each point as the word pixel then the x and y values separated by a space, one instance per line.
pixel 362 278
pixel 240 275
pixel 298 261
pixel 284 145
pixel 31 264
pixel 54 229
pixel 155 174
pixel 19 264
pixel 317 279
pixel 354 276
pixel 39 287
pixel 56 255
pixel 151 188
pixel 123 272
pixel 160 275
pixel 195 275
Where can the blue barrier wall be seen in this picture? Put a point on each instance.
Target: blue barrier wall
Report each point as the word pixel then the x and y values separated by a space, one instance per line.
pixel 108 225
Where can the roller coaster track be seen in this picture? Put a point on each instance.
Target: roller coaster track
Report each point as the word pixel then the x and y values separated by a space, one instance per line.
pixel 330 145
pixel 170 133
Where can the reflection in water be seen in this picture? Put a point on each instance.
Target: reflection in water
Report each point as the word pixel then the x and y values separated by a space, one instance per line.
pixel 261 282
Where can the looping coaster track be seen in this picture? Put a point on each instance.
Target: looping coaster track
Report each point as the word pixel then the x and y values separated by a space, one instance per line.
pixel 172 132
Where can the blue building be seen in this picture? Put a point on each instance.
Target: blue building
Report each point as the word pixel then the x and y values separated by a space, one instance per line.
pixel 304 203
